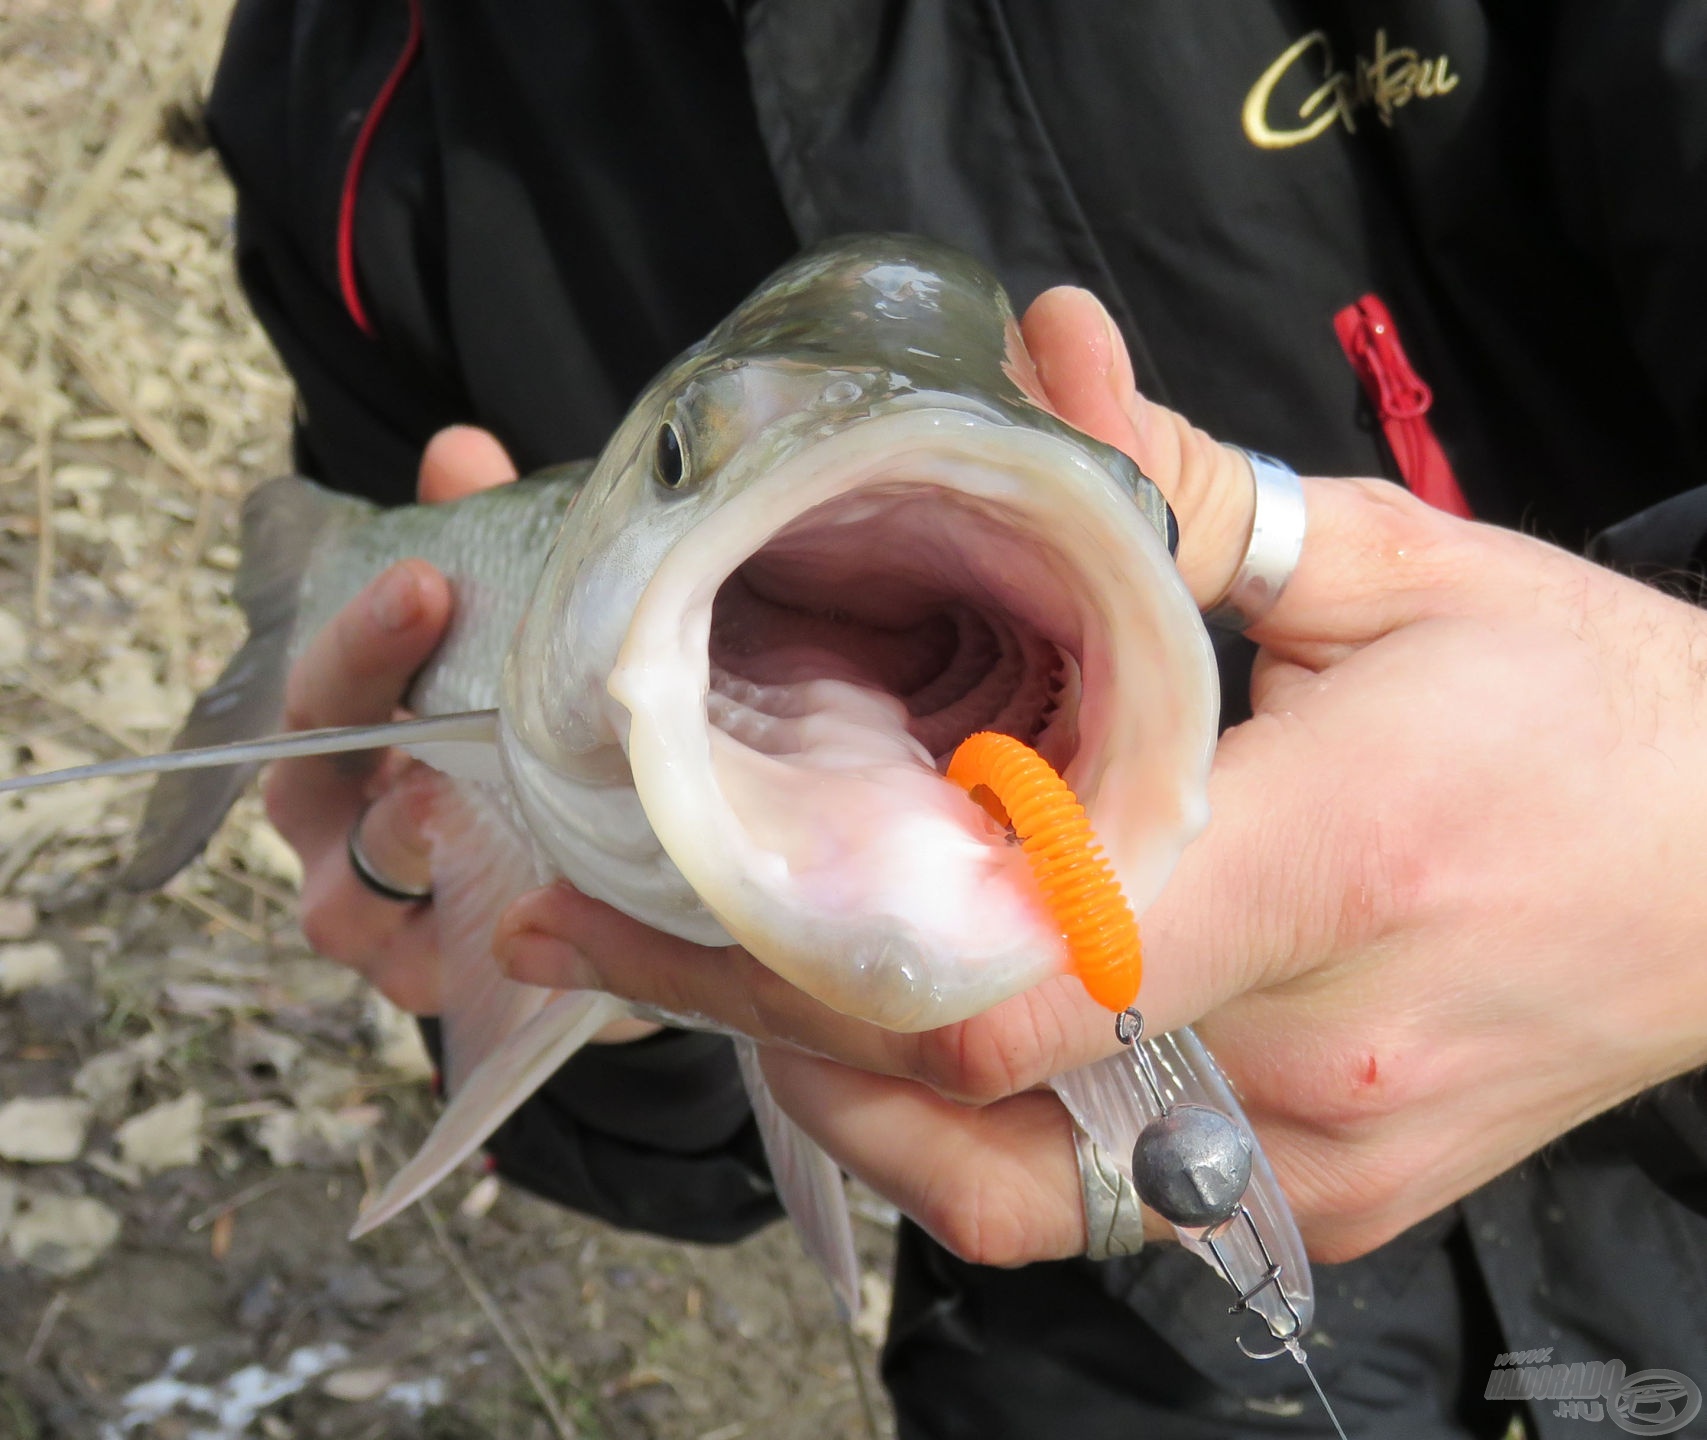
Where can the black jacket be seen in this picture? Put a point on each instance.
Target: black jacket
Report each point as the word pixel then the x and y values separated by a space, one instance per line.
pixel 511 213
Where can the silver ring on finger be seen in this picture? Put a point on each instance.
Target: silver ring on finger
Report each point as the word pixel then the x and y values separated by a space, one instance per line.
pixel 375 882
pixel 1114 1215
pixel 1277 540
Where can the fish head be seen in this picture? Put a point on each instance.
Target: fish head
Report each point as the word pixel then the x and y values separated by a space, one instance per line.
pixel 824 547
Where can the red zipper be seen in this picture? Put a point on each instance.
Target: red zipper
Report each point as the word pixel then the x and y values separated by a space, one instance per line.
pixel 346 242
pixel 1401 400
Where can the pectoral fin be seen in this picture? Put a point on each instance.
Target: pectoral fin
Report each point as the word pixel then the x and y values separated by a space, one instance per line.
pixel 809 1183
pixel 493 1092
pixel 480 863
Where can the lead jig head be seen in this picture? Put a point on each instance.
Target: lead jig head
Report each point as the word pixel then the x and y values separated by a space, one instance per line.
pixel 1192 1166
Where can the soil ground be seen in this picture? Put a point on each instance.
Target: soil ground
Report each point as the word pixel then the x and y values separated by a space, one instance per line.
pixel 190 1276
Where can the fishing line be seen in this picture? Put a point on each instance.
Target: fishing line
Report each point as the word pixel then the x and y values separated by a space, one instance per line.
pixel 1192 1164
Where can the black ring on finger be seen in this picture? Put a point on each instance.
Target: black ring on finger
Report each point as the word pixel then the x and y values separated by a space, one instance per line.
pixel 372 880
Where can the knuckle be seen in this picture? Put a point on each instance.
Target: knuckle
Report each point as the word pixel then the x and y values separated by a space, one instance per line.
pixel 1422 548
pixel 981 1225
pixel 970 1061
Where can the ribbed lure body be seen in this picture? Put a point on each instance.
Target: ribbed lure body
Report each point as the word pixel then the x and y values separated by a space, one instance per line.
pixel 1078 884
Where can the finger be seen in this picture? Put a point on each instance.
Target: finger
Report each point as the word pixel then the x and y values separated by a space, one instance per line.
pixel 1374 556
pixel 1276 683
pixel 461 460
pixel 558 937
pixel 355 672
pixel 392 832
pixel 1087 375
pixel 393 944
pixel 996 1186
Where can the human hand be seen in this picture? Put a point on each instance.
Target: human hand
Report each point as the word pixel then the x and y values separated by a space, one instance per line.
pixel 356 672
pixel 1409 924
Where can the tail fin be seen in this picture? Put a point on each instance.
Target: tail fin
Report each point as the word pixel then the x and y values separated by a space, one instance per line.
pixel 283 519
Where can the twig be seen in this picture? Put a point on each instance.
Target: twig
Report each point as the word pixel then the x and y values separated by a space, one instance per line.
pixel 44 492
pixel 560 1423
pixel 52 250
pixel 203 1218
pixel 230 1115
pixel 263 889
pixel 44 687
pixel 14 385
pixel 153 433
pixel 50 1318
pixel 180 891
pixel 867 1403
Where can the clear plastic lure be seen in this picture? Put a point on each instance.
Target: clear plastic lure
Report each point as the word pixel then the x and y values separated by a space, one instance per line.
pixel 1173 1125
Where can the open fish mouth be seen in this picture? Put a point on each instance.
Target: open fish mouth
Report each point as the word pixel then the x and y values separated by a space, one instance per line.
pixel 799 674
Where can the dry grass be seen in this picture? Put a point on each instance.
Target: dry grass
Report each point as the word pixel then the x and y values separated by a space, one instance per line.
pixel 138 401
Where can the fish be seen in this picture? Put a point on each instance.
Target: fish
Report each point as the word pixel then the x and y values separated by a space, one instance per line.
pixel 713 677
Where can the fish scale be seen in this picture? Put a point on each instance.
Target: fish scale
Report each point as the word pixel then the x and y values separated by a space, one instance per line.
pixel 491 546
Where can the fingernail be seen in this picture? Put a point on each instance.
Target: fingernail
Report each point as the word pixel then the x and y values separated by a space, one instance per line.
pixel 397 606
pixel 1116 342
pixel 536 958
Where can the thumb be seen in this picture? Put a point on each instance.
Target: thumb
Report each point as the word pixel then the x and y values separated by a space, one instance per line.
pixel 1086 374
pixel 1374 557
pixel 460 460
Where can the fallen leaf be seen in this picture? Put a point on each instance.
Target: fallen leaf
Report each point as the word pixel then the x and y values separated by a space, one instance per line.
pixel 219 1242
pixel 113 1168
pixel 14 640
pixel 10 1195
pixel 354 1386
pixel 323 1084
pixel 480 1199
pixel 194 997
pixel 164 1137
pixel 265 852
pixel 17 918
pixel 315 1137
pixel 397 1042
pixel 63 1235
pixel 876 1296
pixel 43 1132
pixel 106 1080
pixel 255 1047
pixel 25 967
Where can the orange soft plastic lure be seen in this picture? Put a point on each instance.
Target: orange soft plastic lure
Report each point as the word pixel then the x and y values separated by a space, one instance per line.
pixel 1078 883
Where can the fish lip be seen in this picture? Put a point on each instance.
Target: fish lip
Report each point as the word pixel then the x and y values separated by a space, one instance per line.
pixel 1017 467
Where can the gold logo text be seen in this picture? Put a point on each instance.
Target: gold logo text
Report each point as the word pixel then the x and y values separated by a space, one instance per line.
pixel 1389 80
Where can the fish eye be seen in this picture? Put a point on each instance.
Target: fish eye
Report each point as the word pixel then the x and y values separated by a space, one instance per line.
pixel 670 463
